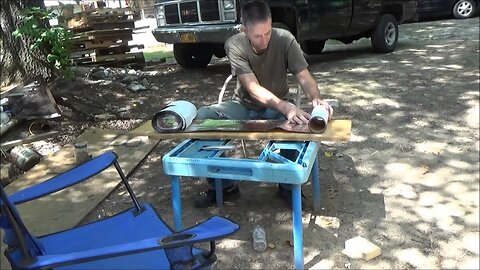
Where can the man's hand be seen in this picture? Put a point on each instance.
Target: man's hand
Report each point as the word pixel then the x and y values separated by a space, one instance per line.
pixel 294 114
pixel 320 102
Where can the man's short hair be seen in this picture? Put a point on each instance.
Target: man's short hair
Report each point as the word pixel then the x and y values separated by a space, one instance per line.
pixel 255 11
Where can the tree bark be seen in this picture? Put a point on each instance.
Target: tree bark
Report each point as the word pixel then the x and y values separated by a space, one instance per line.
pixel 18 63
pixel 134 3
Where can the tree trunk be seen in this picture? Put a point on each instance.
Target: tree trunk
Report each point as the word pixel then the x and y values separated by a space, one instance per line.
pixel 18 63
pixel 134 3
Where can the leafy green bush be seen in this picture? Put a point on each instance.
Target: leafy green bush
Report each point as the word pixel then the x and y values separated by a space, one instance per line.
pixel 54 42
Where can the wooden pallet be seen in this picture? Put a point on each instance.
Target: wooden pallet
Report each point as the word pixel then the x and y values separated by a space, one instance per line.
pixel 102 35
pixel 113 49
pixel 80 20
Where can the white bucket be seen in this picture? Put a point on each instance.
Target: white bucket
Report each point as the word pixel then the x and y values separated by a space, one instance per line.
pixel 318 119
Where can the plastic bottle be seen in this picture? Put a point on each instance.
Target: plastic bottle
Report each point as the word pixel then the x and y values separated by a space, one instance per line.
pixel 259 239
pixel 4 117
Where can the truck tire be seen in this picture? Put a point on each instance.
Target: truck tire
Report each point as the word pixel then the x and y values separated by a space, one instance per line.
pixel 464 9
pixel 311 47
pixel 281 26
pixel 191 56
pixel 385 34
pixel 218 50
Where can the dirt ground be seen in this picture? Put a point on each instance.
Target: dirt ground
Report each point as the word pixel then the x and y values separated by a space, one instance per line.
pixel 408 180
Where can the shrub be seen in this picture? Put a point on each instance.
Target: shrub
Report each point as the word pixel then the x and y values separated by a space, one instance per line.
pixel 54 43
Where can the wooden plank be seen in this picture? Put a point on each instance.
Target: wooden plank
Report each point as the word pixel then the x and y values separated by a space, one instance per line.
pixel 118 57
pixel 103 33
pixel 115 49
pixel 126 10
pixel 137 63
pixel 97 39
pixel 34 138
pixel 93 44
pixel 79 23
pixel 127 24
pixel 337 130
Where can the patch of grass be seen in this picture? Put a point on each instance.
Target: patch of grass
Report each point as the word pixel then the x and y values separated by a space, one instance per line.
pixel 157 53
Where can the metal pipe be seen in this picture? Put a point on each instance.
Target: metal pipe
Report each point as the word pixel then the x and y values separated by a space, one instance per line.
pixel 129 189
pixel 6 126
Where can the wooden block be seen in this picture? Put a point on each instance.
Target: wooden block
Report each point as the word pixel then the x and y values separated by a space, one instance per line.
pixel 337 130
pixel 360 248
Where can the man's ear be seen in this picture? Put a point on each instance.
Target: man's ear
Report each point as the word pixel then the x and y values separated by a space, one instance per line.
pixel 242 28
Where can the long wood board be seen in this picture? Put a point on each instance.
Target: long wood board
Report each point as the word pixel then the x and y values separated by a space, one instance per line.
pixel 337 130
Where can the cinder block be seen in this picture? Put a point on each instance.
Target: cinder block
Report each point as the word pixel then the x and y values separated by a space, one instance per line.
pixel 360 248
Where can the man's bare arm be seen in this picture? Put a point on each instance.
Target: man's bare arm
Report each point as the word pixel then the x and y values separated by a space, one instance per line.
pixel 309 85
pixel 310 88
pixel 268 99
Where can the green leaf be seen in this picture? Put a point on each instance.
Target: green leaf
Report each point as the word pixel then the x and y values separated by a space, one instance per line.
pixel 51 58
pixel 16 33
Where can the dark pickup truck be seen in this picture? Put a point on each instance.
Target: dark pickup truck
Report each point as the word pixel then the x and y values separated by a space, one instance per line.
pixel 198 28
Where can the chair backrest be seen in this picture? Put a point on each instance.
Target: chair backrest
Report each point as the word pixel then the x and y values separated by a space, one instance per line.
pixel 16 233
pixel 17 236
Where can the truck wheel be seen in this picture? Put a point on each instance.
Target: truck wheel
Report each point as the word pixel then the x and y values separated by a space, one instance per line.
pixel 385 34
pixel 312 46
pixel 281 26
pixel 192 56
pixel 219 50
pixel 464 9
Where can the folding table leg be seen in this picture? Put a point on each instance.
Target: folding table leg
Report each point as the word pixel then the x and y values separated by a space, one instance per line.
pixel 176 203
pixel 219 192
pixel 316 186
pixel 297 226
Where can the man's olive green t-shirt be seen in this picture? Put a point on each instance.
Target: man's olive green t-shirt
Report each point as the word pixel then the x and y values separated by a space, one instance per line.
pixel 270 68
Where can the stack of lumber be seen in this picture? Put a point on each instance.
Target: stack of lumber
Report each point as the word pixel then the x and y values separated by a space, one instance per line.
pixel 101 37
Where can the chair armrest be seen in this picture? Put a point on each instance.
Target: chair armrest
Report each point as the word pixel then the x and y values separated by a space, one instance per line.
pixel 66 179
pixel 211 229
pixel 58 260
pixel 224 87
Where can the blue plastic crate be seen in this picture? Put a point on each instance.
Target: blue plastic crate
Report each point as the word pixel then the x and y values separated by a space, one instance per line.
pixel 192 159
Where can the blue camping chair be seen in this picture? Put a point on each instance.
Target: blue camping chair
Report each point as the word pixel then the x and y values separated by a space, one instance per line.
pixel 137 238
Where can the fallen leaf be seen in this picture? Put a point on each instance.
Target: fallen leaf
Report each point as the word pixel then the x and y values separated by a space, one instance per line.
pixel 272 245
pixel 328 154
pixel 425 169
pixel 327 222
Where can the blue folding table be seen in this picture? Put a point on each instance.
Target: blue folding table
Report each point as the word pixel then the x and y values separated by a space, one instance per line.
pixel 206 158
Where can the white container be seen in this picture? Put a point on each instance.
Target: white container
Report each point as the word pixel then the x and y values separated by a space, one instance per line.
pixel 318 119
pixel 4 117
pixel 81 153
pixel 259 239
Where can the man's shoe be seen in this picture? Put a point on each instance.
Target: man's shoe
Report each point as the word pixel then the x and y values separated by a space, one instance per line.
pixel 286 195
pixel 210 198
